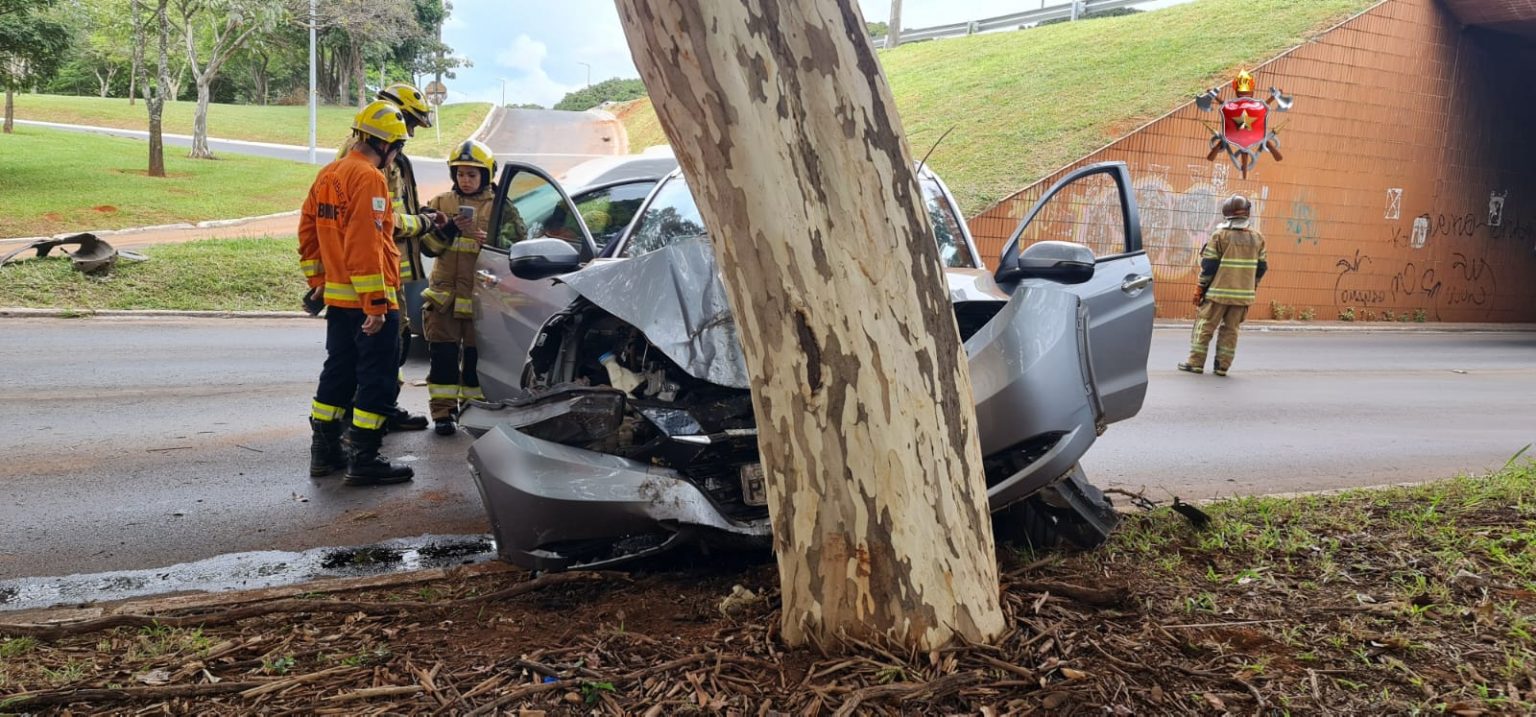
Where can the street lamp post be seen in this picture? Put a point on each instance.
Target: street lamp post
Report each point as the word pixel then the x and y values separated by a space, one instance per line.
pixel 503 92
pixel 312 96
pixel 589 72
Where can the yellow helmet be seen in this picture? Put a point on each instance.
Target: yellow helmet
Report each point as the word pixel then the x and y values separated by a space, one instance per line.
pixel 381 120
pixel 471 153
pixel 410 101
pixel 1243 83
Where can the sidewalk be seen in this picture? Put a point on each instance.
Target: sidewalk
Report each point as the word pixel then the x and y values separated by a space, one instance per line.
pixel 1357 326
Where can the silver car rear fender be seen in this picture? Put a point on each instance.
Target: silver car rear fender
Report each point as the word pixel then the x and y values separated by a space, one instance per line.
pixel 540 493
pixel 1029 380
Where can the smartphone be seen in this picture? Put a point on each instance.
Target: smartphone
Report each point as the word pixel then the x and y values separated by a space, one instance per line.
pixel 467 212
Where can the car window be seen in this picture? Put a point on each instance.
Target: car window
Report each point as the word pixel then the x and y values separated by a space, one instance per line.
pixel 673 216
pixel 536 210
pixel 609 210
pixel 953 251
pixel 670 218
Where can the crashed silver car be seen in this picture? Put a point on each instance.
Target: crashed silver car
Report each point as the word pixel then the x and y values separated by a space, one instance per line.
pixel 619 422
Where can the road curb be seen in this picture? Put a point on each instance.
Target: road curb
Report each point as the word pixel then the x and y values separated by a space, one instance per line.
pixel 1348 327
pixel 479 133
pixel 128 231
pixel 30 313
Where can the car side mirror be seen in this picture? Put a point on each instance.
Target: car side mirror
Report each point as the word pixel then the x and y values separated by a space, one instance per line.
pixel 1059 261
pixel 542 258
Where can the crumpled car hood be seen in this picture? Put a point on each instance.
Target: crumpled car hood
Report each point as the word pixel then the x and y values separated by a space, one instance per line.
pixel 676 298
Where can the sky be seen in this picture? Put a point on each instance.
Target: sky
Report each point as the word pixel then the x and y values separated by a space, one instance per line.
pixel 536 52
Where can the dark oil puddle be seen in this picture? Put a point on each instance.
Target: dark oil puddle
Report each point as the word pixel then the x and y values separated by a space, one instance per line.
pixel 247 571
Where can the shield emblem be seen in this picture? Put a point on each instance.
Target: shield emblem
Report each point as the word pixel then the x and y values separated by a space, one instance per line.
pixel 1244 122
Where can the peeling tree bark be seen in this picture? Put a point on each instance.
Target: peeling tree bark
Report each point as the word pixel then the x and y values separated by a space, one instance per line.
pixel 784 124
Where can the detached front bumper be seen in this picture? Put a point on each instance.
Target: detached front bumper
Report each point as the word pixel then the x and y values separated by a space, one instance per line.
pixel 554 507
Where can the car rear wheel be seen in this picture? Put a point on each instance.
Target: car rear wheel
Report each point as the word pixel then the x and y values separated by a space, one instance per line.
pixel 1056 515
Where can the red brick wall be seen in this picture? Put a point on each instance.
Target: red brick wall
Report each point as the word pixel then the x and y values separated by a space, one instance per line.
pixel 1402 120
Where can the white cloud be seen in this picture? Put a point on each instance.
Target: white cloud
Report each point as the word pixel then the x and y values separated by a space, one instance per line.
pixel 525 53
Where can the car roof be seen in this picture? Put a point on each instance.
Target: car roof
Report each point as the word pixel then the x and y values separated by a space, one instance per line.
pixel 654 163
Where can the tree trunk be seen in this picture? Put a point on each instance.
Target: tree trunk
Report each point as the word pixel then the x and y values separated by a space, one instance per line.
pixel 200 118
pixel 786 129
pixel 893 28
pixel 10 112
pixel 360 76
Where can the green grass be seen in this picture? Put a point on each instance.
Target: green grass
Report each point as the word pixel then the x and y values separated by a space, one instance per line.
pixel 213 274
pixel 278 124
pixel 53 181
pixel 1025 103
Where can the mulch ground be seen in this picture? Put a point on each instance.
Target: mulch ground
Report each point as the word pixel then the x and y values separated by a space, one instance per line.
pixel 1107 632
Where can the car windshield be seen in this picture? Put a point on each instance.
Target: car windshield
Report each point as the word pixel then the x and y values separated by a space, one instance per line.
pixel 673 217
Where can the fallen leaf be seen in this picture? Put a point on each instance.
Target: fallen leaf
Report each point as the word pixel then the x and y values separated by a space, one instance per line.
pixel 156 677
pixel 1053 700
pixel 1215 701
pixel 573 698
pixel 1072 674
pixel 1157 695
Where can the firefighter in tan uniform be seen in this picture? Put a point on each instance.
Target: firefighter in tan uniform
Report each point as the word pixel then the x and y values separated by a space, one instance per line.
pixel 411 222
pixel 1231 266
pixel 447 303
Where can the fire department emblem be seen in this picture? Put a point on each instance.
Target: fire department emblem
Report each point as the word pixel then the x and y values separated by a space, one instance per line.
pixel 1245 128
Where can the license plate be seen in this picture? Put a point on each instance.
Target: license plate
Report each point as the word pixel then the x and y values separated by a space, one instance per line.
pixel 754 489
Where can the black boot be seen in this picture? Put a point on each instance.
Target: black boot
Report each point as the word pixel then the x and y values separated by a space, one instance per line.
pixel 325 453
pixel 400 419
pixel 366 466
pixel 445 426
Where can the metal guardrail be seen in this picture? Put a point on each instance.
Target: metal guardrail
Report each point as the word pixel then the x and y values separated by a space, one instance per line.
pixel 1069 11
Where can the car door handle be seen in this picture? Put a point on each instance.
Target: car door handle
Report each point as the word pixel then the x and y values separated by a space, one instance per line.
pixel 487 279
pixel 1135 284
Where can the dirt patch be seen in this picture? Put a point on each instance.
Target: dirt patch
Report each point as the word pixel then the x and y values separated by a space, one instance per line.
pixel 54 217
pixel 105 209
pixel 145 173
pixel 1169 621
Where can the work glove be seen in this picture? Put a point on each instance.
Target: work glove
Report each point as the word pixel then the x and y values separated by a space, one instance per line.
pixel 314 302
pixel 1199 296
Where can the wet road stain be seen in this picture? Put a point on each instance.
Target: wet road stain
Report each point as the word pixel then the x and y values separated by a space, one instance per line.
pixel 247 571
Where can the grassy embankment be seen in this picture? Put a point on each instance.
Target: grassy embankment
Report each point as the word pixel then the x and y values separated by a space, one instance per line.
pixel 277 124
pixel 1417 600
pixel 1025 103
pixel 54 181
pixel 217 274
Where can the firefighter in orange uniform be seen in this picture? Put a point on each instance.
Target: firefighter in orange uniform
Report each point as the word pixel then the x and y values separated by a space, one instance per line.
pixel 347 251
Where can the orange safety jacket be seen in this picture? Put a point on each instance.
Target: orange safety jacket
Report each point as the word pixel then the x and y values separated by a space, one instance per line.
pixel 345 237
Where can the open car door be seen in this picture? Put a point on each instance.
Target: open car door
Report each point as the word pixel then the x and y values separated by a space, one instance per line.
pixel 1096 206
pixel 532 219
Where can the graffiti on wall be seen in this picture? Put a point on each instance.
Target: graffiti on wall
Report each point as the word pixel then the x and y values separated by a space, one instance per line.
pixel 1302 222
pixel 1394 203
pixel 1177 215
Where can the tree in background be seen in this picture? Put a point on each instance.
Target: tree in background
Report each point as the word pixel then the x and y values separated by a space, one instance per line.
pixel 157 23
pixel 34 40
pixel 612 90
pixel 214 30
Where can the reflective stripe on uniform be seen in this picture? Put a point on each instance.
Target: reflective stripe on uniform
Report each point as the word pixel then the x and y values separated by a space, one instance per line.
pixel 1240 263
pixel 325 412
pixel 471 393
pixel 463 308
pixel 311 268
pixel 406 267
pixel 367 420
pixel 465 245
pixel 1229 294
pixel 443 391
pixel 348 292
pixel 436 296
pixel 368 283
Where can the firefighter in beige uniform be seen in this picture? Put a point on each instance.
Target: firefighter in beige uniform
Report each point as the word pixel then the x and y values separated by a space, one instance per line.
pixel 1231 266
pixel 447 302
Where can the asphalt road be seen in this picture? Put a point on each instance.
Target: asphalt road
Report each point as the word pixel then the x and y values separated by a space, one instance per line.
pixel 143 443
